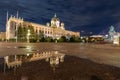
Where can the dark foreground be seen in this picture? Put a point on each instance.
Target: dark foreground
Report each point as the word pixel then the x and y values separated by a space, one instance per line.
pixel 73 68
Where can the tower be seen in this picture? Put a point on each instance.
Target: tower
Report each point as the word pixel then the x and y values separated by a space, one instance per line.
pixel 7 27
pixel 62 26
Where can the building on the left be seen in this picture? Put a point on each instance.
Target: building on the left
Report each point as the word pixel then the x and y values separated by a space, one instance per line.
pixel 16 28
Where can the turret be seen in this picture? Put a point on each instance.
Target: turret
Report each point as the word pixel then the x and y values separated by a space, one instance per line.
pixel 62 26
pixel 47 24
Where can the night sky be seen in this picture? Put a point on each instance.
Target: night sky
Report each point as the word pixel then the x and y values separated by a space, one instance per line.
pixel 78 15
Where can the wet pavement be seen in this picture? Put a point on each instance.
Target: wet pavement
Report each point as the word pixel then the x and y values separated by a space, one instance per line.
pixel 61 61
pixel 104 54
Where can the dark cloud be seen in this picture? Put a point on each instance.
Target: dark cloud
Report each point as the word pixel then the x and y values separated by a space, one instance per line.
pixel 90 15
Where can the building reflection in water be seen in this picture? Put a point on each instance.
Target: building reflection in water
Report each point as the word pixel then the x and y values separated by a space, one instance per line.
pixel 53 57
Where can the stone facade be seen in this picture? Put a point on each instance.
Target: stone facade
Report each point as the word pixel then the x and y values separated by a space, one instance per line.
pixel 55 29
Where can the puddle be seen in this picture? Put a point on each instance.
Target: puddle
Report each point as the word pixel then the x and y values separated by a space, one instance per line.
pixel 14 61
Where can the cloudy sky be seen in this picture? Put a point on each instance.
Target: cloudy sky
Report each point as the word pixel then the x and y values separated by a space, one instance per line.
pixel 78 15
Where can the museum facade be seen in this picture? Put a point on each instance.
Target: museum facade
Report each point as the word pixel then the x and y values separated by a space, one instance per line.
pixel 54 29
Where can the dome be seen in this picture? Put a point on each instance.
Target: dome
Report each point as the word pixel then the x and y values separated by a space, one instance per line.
pixel 55 18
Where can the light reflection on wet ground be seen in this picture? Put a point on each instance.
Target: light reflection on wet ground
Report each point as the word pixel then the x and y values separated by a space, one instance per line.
pixel 54 65
pixel 70 67
pixel 104 54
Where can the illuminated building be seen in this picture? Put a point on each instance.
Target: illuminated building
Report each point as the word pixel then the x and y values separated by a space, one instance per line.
pixel 55 29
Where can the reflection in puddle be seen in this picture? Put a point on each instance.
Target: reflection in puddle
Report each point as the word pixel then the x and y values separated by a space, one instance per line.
pixel 53 57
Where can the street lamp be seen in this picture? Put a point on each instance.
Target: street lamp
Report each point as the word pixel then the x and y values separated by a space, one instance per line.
pixel 28 36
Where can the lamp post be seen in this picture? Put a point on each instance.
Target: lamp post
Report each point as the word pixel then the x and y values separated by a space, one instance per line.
pixel 28 36
pixel 38 35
